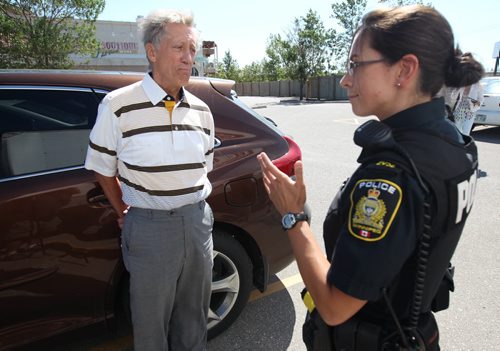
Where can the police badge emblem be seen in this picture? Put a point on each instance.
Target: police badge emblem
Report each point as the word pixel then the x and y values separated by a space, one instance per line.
pixel 374 204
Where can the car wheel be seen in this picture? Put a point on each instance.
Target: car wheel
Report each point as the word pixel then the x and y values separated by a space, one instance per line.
pixel 231 282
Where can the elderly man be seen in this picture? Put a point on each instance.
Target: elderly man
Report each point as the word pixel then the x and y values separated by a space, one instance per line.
pixel 151 149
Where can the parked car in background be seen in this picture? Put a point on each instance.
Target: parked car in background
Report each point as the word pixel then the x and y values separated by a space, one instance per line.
pixel 489 112
pixel 60 258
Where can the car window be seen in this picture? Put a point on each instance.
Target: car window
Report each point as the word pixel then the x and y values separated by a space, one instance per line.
pixel 44 129
pixel 268 121
pixel 492 87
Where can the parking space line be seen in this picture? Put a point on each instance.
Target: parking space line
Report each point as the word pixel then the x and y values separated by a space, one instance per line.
pixel 124 343
pixel 275 287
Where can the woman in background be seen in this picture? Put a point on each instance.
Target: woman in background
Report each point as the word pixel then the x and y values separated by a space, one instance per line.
pixel 463 94
pixel 469 100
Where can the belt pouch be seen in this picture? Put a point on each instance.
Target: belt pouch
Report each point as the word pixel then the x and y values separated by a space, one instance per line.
pixel 316 334
pixel 344 335
pixel 368 337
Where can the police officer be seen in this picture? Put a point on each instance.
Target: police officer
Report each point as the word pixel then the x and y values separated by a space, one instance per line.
pixel 392 229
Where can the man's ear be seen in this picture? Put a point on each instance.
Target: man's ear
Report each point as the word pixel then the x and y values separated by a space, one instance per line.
pixel 409 65
pixel 151 52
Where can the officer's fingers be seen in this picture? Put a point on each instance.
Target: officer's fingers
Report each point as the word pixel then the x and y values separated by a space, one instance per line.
pixel 299 173
pixel 268 166
pixel 299 182
pixel 261 158
pixel 266 186
pixel 264 164
pixel 267 181
pixel 264 159
pixel 270 182
pixel 267 175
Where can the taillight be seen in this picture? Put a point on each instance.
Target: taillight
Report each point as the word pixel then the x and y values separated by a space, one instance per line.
pixel 285 163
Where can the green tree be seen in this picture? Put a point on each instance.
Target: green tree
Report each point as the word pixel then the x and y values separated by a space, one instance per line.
pixel 252 73
pixel 304 53
pixel 43 33
pixel 228 68
pixel 273 68
pixel 314 38
pixel 402 2
pixel 348 14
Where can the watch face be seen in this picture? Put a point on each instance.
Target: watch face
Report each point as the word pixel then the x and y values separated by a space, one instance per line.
pixel 288 221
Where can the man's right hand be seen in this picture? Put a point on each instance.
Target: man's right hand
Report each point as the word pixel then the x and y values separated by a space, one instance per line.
pixel 121 217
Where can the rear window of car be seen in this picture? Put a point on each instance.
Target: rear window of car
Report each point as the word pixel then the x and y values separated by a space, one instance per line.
pixel 492 87
pixel 266 120
pixel 44 129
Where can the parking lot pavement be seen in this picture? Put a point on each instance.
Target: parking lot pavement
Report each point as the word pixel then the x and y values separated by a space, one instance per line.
pixel 264 101
pixel 257 102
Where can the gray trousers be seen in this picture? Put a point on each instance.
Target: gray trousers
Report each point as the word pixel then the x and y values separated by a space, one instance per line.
pixel 169 257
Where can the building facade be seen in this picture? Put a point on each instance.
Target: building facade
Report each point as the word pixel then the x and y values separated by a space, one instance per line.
pixel 121 49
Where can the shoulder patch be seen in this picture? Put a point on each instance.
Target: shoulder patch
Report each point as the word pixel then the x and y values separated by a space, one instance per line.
pixel 374 204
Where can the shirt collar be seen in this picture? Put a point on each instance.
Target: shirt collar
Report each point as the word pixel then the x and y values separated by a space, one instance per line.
pixel 154 92
pixel 418 116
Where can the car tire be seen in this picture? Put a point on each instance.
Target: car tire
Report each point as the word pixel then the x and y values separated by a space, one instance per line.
pixel 231 282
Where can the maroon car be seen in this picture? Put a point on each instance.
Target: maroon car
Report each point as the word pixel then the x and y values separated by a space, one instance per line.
pixel 60 258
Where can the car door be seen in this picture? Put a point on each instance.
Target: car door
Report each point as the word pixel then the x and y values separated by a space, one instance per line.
pixel 59 242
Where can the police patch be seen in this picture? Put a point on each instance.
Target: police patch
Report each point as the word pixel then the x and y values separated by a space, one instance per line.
pixel 374 204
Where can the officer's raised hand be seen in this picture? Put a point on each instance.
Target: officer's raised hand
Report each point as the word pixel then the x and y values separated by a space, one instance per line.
pixel 286 194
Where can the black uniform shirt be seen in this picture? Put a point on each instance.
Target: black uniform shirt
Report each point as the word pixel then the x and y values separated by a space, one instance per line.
pixel 380 213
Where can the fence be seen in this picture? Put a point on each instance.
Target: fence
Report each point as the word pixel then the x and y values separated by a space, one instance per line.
pixel 320 88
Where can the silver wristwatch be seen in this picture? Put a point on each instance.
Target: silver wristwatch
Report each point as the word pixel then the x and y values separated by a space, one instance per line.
pixel 289 220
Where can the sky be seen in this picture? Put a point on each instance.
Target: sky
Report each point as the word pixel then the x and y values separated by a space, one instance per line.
pixel 243 27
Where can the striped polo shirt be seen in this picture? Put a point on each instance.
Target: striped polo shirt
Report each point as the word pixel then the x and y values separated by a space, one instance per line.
pixel 161 161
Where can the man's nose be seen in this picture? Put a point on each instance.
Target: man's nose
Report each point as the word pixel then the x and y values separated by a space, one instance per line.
pixel 187 56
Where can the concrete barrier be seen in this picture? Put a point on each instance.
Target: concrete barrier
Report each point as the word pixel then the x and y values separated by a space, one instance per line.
pixel 320 88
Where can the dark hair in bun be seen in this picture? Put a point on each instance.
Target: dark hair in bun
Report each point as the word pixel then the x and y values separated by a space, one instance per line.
pixel 424 32
pixel 463 70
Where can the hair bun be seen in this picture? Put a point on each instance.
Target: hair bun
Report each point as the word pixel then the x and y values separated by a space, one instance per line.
pixel 462 70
